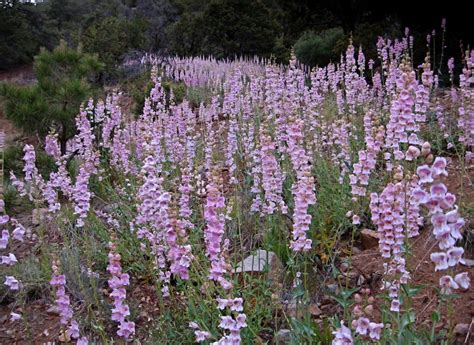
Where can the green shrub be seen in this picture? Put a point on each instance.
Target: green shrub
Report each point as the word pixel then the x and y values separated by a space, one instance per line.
pixel 14 161
pixel 318 49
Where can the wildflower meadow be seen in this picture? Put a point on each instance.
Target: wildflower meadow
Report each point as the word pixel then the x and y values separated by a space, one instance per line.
pixel 251 202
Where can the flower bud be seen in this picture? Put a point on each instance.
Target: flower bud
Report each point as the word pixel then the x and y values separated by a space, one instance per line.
pixel 358 311
pixel 425 149
pixel 429 159
pixel 369 309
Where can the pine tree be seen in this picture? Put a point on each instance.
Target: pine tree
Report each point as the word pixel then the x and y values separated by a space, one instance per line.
pixel 66 78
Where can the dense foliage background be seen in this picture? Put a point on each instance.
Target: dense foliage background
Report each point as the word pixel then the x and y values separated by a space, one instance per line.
pixel 221 28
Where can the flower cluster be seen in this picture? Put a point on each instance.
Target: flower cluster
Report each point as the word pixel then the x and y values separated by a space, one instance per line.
pixel 446 223
pixel 363 309
pixel 117 283
pixel 403 126
pixel 83 144
pixel 154 220
pixel 51 146
pixel 213 233
pixel 272 177
pixel 30 159
pixel 233 324
pixel 466 107
pixel 199 333
pixel 34 181
pixel 18 234
pixel 388 214
pixel 342 336
pixel 179 254
pixel 63 304
pixel 303 189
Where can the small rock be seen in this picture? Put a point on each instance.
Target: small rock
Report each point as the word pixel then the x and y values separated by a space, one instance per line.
pixel 461 328
pixel 283 337
pixel 369 238
pixel 256 262
pixel 264 260
pixel 356 250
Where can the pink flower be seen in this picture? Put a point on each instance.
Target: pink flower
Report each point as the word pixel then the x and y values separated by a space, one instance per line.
pixel 120 312
pixel 15 316
pixel 222 303
pixel 342 336
pixel 395 306
pixel 462 279
pixel 4 239
pixel 362 325
pixel 375 329
pixel 439 221
pixel 425 174
pixel 126 329
pixel 439 167
pixel 454 256
pixel 82 341
pixel 193 325
pixel 412 153
pixel 117 283
pixel 12 283
pixel 241 320
pixel 29 159
pixel 58 280
pixel 201 336
pixel 227 322
pixel 73 330
pixel 438 189
pixel 51 146
pixel 237 304
pixel 441 261
pixel 4 219
pixel 447 284
pixel 19 232
pixel 9 260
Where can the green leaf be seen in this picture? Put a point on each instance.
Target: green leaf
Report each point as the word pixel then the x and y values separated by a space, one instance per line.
pixel 343 302
pixel 346 293
pixel 412 291
pixel 407 319
pixel 435 316
pixel 298 292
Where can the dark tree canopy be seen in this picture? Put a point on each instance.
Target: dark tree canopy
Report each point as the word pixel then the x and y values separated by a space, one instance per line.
pixel 222 28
